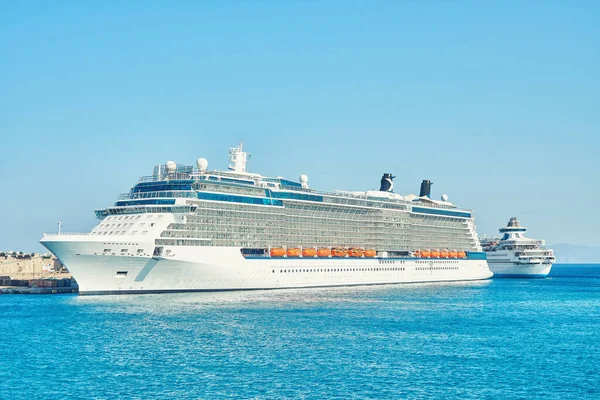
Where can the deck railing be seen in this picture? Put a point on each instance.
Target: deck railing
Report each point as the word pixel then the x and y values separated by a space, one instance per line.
pixel 159 194
pixel 66 234
pixel 344 194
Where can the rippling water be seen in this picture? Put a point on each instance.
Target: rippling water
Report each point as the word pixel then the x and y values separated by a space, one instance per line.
pixel 489 339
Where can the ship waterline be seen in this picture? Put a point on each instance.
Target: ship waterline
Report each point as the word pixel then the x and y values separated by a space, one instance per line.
pixel 187 229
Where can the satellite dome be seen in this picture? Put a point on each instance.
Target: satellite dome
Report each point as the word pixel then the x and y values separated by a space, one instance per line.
pixel 303 179
pixel 171 166
pixel 202 164
pixel 444 197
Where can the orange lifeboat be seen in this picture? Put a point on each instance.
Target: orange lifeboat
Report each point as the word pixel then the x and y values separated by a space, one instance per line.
pixel 417 253
pixel 452 254
pixel 309 252
pixel 356 252
pixel 339 252
pixel 370 253
pixel 444 254
pixel 461 254
pixel 277 252
pixel 425 253
pixel 435 254
pixel 293 252
pixel 323 253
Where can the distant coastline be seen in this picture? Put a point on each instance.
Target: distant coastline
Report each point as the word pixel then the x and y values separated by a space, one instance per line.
pixel 582 265
pixel 576 254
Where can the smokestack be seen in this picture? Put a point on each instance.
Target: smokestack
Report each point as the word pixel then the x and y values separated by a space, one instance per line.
pixel 387 183
pixel 426 188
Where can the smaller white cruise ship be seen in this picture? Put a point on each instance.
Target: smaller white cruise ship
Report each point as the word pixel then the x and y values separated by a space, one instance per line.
pixel 515 256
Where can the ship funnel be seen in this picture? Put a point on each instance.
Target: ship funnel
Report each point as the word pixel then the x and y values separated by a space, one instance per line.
pixel 426 188
pixel 387 183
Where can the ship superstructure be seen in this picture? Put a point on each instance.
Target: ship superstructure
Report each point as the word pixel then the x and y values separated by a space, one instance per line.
pixel 515 256
pixel 187 228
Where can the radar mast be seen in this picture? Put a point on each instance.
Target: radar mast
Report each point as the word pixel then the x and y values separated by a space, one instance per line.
pixel 238 158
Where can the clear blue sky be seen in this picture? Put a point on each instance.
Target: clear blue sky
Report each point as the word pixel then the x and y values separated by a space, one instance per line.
pixel 498 103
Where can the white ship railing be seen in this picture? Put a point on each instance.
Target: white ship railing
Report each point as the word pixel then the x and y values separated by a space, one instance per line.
pixel 160 194
pixel 343 194
pixel 66 234
pixel 171 177
pixel 192 195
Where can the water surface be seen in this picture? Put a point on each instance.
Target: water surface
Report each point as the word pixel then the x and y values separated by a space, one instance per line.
pixel 510 338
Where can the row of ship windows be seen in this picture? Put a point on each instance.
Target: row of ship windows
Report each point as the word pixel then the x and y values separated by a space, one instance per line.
pixel 172 242
pixel 324 208
pixel 303 212
pixel 123 217
pixel 241 225
pixel 293 196
pixel 434 268
pixel 438 261
pixel 179 230
pixel 139 251
pixel 330 241
pixel 341 270
pixel 263 223
pixel 204 215
pixel 313 240
pixel 123 225
pixel 232 226
pixel 282 233
pixel 119 225
pixel 263 243
pixel 117 232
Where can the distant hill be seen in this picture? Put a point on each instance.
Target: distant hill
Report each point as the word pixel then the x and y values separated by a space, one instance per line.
pixel 576 254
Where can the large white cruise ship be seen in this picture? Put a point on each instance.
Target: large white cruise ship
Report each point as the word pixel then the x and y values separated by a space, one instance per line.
pixel 186 228
pixel 516 256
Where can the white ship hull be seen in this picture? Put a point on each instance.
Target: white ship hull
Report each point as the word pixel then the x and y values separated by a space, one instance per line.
pixel 517 270
pixel 516 256
pixel 199 268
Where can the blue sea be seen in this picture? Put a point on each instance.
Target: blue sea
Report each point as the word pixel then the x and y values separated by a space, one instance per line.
pixel 495 339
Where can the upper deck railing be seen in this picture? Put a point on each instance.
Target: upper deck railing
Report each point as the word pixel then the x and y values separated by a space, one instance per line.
pixel 66 234
pixel 173 176
pixel 159 194
pixel 193 174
